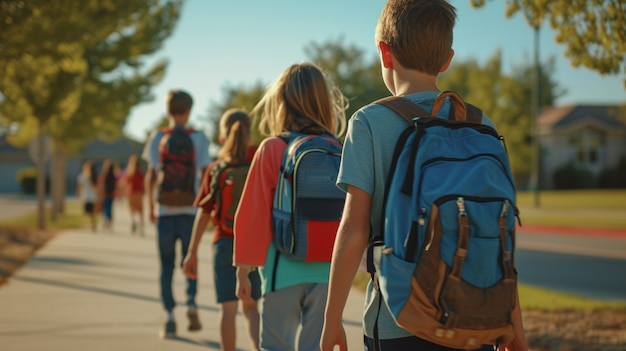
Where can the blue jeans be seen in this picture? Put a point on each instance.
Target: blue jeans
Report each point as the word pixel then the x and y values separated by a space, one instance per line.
pixel 107 208
pixel 169 230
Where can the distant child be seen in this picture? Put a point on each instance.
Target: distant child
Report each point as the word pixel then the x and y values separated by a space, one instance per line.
pixel 86 188
pixel 107 183
pixel 133 183
pixel 175 221
pixel 303 100
pixel 414 40
pixel 234 136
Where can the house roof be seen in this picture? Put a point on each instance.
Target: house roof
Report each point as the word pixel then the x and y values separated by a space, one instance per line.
pixel 567 116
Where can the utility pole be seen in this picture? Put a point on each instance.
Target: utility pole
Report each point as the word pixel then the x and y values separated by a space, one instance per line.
pixel 536 177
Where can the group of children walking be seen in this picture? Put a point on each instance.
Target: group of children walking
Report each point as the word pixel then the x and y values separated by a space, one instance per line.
pixel 98 190
pixel 302 307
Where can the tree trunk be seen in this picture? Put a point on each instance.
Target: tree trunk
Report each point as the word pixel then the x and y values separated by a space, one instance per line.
pixel 58 179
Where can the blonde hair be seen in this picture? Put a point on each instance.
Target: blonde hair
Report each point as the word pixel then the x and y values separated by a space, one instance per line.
pixel 303 100
pixel 419 33
pixel 235 126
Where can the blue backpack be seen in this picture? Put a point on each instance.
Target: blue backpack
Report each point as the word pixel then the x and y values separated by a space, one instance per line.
pixel 444 263
pixel 307 204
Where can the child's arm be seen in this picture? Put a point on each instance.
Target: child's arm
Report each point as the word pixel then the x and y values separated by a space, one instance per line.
pixel 190 263
pixel 519 343
pixel 352 239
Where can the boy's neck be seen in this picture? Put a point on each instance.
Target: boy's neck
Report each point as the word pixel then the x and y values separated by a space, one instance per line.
pixel 411 82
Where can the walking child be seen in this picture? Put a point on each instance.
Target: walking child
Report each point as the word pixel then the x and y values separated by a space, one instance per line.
pixel 220 182
pixel 86 188
pixel 133 181
pixel 176 157
pixel 301 100
pixel 414 41
pixel 107 184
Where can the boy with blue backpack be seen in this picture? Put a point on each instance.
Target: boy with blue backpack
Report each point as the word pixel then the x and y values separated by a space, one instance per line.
pixel 414 39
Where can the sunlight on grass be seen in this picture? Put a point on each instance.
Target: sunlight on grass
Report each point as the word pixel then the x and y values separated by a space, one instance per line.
pixel 532 297
pixel 575 199
pixel 72 218
pixel 575 208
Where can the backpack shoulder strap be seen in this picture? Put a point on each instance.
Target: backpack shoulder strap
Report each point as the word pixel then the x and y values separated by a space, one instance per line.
pixel 403 106
pixel 459 109
pixel 474 114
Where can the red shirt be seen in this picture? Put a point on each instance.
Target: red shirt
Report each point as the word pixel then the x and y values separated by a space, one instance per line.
pixel 253 221
pixel 135 183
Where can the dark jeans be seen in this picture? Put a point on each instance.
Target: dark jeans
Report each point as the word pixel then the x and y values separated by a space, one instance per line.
pixel 170 229
pixel 412 343
pixel 107 208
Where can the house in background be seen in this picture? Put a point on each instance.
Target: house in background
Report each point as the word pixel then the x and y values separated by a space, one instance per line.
pixel 13 160
pixel 587 137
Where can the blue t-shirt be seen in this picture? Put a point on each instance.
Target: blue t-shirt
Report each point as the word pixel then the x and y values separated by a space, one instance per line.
pixel 368 150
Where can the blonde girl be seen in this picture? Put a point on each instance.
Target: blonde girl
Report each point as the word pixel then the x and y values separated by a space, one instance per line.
pixel 301 100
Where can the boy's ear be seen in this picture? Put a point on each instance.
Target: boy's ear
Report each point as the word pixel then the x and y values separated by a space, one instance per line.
pixel 385 55
pixel 447 64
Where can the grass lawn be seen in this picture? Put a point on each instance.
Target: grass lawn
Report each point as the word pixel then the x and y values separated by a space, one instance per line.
pixel 72 218
pixel 580 208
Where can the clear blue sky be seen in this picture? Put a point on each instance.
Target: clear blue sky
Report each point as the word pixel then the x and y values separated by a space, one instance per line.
pixel 240 42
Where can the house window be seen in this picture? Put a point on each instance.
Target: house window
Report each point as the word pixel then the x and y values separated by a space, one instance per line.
pixel 588 145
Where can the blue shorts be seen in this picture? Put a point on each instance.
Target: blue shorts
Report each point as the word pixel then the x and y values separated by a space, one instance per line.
pixel 225 274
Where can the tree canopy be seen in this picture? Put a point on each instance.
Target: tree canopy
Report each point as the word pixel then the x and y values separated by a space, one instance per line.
pixel 593 31
pixel 79 68
pixel 504 97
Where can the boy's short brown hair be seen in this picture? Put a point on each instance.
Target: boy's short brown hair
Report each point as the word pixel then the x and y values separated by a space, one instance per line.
pixel 178 102
pixel 418 32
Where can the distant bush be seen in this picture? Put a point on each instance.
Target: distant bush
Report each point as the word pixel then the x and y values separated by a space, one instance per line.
pixel 613 178
pixel 27 178
pixel 569 176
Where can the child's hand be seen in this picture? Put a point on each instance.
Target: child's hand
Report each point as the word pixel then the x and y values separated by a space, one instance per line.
pixel 190 266
pixel 244 287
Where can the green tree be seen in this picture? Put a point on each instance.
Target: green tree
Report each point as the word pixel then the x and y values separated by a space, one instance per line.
pixel 78 69
pixel 356 75
pixel 593 31
pixel 242 97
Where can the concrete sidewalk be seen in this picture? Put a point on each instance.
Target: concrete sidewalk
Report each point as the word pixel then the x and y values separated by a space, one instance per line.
pixel 99 291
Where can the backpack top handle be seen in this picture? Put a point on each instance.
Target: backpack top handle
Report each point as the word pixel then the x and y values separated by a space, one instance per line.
pixel 458 111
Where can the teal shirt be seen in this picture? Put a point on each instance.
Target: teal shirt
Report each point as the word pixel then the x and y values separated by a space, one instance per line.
pixel 289 272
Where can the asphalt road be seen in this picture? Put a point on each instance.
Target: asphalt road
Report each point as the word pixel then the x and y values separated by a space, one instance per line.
pixel 590 266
